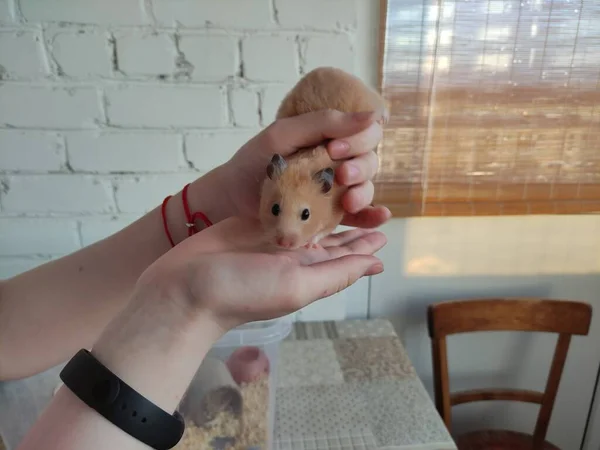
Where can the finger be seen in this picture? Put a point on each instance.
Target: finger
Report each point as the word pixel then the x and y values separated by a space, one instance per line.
pixel 358 197
pixel 370 217
pixel 326 278
pixel 342 237
pixel 364 141
pixel 289 134
pixel 358 170
pixel 364 245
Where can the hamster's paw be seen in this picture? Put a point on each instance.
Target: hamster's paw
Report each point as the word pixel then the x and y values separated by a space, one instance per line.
pixel 313 242
pixel 312 245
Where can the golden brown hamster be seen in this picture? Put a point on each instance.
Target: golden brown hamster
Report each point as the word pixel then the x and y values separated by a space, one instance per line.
pixel 300 199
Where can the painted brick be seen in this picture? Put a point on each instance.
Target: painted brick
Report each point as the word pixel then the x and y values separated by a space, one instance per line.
pixel 33 106
pixel 246 14
pixel 82 54
pixel 209 150
pixel 125 152
pixel 270 58
pixel 146 54
pixel 214 57
pixel 96 229
pixel 5 12
pixel 142 194
pixel 105 12
pixel 21 55
pixel 271 99
pixel 10 267
pixel 333 51
pixel 58 193
pixel 31 151
pixel 166 106
pixel 317 14
pixel 244 103
pixel 25 237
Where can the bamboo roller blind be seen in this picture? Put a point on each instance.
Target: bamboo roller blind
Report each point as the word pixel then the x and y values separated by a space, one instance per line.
pixel 495 107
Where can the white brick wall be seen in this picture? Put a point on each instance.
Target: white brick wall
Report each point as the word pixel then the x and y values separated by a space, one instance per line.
pixel 23 106
pixel 108 106
pixel 156 106
pixel 69 49
pixel 21 54
pixel 5 12
pixel 59 193
pixel 317 14
pixel 146 53
pixel 125 152
pixel 270 58
pixel 234 14
pixel 31 151
pixel 106 12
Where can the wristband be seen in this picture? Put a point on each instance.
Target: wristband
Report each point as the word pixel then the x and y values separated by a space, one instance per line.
pixel 120 404
pixel 190 218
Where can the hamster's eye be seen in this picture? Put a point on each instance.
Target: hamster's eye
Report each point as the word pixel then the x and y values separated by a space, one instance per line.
pixel 305 214
pixel 275 209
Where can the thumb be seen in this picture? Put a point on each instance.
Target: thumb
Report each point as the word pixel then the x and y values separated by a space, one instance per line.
pixel 326 278
pixel 292 133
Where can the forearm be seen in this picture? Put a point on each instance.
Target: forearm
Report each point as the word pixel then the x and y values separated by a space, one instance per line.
pixel 50 312
pixel 152 346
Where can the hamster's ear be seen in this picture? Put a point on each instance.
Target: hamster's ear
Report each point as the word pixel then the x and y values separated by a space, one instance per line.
pixel 325 178
pixel 276 166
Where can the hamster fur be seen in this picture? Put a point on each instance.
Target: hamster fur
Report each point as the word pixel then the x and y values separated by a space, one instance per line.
pixel 300 199
pixel 331 88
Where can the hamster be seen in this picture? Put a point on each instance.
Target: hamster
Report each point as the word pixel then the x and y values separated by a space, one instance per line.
pixel 300 198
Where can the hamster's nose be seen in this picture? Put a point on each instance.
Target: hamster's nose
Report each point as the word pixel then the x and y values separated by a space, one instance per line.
pixel 285 241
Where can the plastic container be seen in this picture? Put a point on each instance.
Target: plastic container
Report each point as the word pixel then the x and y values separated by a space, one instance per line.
pixel 221 397
pixel 230 403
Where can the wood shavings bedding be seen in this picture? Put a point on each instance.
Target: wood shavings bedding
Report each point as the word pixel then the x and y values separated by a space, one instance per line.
pixel 253 432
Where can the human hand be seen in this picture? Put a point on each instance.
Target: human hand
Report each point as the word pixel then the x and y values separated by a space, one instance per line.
pixel 353 139
pixel 228 274
pixel 222 278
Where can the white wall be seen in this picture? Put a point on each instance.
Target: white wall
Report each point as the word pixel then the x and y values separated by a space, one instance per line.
pixel 431 259
pixel 592 438
pixel 106 107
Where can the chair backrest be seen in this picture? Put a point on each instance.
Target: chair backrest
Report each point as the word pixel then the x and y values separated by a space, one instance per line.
pixel 566 318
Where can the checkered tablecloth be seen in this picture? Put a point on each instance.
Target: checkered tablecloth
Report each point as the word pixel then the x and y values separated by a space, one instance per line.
pixel 349 385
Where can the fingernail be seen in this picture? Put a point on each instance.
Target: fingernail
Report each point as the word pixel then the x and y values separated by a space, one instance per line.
pixel 353 172
pixel 362 116
pixel 375 269
pixel 340 147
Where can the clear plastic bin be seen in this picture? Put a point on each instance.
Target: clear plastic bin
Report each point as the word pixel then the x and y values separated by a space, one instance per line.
pixel 230 403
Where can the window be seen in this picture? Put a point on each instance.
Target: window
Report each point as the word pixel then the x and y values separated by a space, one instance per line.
pixel 495 107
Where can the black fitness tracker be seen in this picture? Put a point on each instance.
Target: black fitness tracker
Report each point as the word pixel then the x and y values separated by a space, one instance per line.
pixel 119 403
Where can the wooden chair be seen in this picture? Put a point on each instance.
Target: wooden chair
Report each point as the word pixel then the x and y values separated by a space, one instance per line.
pixel 566 318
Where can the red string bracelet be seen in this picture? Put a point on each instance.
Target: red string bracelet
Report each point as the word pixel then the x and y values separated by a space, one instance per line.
pixel 164 219
pixel 190 218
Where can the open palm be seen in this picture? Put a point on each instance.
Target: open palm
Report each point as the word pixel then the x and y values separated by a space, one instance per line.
pixel 227 271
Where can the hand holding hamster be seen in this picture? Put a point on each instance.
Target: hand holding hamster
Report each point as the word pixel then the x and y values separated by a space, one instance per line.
pixel 302 197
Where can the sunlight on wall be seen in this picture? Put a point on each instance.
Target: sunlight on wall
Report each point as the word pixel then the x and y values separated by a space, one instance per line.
pixel 515 246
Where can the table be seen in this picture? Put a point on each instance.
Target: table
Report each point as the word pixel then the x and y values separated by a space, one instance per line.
pixel 349 385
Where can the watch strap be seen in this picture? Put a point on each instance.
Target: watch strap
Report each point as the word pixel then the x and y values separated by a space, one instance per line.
pixel 120 404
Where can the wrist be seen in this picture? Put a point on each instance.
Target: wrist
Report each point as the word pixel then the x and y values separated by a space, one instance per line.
pixel 155 345
pixel 209 194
